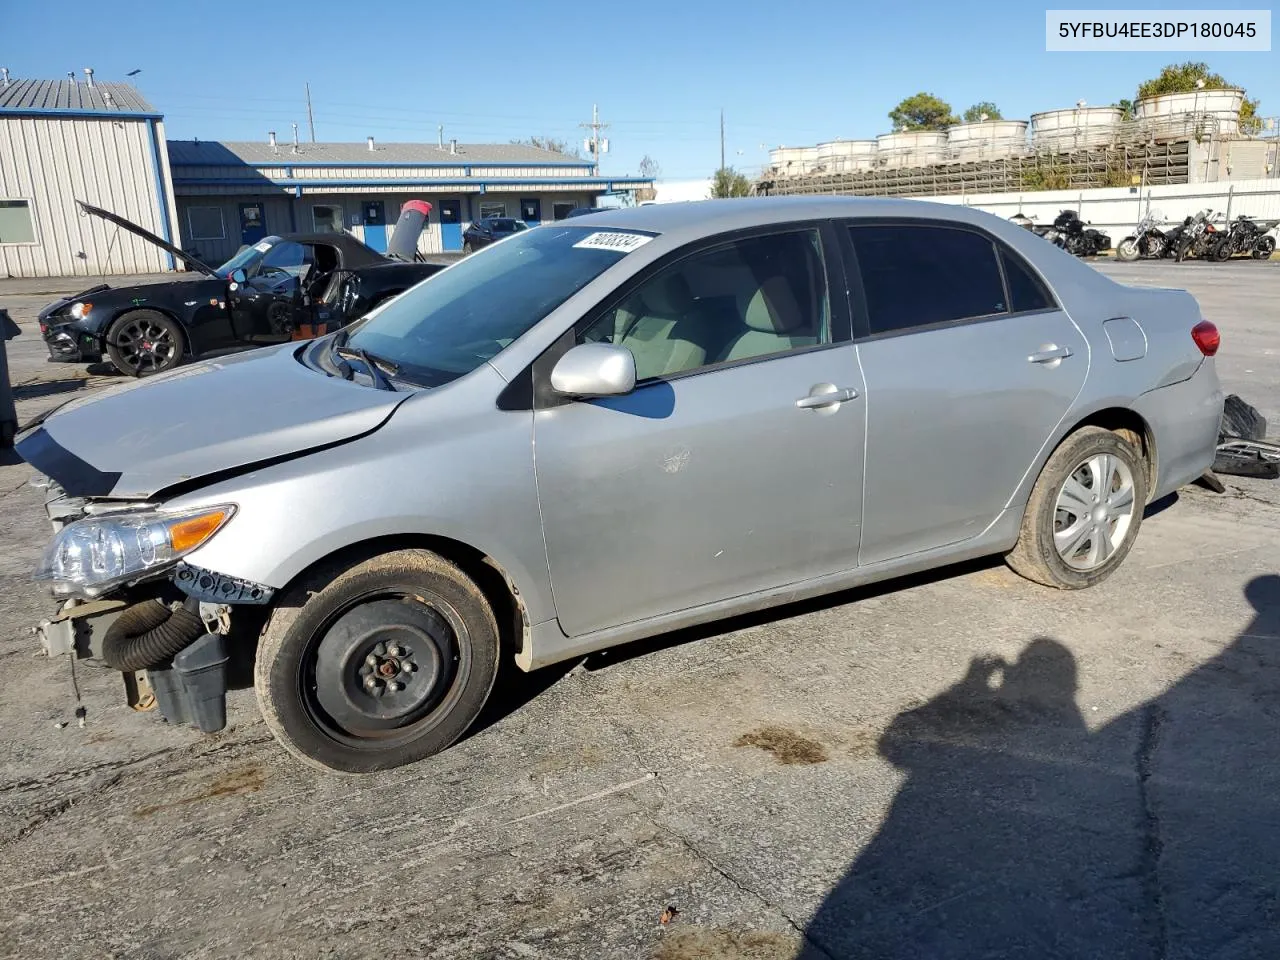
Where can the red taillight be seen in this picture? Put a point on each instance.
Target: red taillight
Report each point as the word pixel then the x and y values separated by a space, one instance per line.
pixel 1207 338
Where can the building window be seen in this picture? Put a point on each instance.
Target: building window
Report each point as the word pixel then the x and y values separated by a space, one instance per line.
pixel 16 223
pixel 561 210
pixel 492 208
pixel 327 218
pixel 206 223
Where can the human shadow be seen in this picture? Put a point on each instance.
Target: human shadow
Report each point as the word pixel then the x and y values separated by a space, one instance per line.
pixel 1019 833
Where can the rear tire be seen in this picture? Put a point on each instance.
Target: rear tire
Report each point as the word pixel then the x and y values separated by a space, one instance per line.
pixel 370 665
pixel 1084 512
pixel 1263 249
pixel 142 343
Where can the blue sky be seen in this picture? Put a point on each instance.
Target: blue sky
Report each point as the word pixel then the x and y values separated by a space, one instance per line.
pixel 661 71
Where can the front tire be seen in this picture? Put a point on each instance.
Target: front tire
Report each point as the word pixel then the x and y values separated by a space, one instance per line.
pixel 1128 249
pixel 142 343
pixel 467 248
pixel 371 665
pixel 1084 512
pixel 1221 250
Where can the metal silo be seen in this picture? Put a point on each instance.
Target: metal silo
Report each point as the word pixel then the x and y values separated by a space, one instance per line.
pixel 987 140
pixel 1059 131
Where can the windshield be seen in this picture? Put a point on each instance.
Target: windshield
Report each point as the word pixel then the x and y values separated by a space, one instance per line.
pixel 273 255
pixel 465 315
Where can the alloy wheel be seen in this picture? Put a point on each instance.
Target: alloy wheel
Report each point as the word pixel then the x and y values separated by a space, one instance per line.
pixel 146 346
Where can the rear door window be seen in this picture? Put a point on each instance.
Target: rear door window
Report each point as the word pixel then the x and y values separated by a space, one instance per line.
pixel 919 275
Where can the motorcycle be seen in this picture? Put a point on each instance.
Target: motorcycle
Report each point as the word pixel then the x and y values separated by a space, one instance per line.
pixel 1197 237
pixel 1244 236
pixel 1076 237
pixel 1147 241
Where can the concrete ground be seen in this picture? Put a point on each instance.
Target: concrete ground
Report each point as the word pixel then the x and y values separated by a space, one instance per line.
pixel 960 765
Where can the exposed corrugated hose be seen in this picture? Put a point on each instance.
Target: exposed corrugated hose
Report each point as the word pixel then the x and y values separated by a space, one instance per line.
pixel 149 633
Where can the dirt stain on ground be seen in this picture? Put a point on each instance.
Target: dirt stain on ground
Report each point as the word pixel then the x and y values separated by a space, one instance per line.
pixel 233 783
pixel 785 745
pixel 702 943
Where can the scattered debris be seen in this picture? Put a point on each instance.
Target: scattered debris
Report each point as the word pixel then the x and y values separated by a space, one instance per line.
pixel 1242 420
pixel 61 724
pixel 786 746
pixel 1209 480
pixel 81 713
pixel 668 915
pixel 1243 450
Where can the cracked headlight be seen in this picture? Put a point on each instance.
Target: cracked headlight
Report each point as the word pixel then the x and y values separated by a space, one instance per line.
pixel 89 556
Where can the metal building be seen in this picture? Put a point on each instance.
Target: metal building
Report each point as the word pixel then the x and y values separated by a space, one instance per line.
pixel 64 140
pixel 68 140
pixel 231 194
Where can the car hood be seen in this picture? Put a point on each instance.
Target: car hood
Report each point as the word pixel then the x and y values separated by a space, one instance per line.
pixel 195 264
pixel 132 441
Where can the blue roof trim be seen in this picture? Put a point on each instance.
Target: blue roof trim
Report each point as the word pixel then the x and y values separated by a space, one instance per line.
pixel 70 112
pixel 416 182
pixel 400 164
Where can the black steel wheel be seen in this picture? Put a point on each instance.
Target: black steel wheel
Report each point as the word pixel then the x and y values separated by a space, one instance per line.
pixel 369 666
pixel 144 342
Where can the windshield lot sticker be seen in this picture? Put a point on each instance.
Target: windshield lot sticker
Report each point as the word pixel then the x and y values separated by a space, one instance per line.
pixel 621 242
pixel 262 247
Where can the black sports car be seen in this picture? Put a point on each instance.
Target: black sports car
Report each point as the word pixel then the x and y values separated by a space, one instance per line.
pixel 280 288
pixel 490 230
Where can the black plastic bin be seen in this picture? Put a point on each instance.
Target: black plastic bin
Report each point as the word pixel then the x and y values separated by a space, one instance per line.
pixel 194 688
pixel 8 413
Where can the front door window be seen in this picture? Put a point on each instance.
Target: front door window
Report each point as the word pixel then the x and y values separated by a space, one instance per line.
pixel 751 298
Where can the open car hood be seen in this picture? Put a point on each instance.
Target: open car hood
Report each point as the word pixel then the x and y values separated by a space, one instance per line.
pixel 147 235
pixel 135 440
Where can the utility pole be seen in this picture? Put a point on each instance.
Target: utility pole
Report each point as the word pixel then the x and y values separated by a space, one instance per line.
pixel 722 138
pixel 311 121
pixel 595 126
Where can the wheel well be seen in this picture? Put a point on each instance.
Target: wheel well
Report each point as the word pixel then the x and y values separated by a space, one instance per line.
pixel 182 331
pixel 498 588
pixel 1133 428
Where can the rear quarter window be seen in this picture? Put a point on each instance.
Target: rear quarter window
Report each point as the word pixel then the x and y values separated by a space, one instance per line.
pixel 1026 290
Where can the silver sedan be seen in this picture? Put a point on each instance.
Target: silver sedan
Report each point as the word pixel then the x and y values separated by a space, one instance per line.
pixel 607 428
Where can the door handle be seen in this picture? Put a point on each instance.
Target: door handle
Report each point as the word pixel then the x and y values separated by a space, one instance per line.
pixel 826 395
pixel 1049 353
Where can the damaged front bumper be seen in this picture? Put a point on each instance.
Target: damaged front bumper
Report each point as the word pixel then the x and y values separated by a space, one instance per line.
pixel 69 342
pixel 173 628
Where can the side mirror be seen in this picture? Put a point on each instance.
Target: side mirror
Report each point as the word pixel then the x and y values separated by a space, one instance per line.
pixel 595 370
pixel 237 276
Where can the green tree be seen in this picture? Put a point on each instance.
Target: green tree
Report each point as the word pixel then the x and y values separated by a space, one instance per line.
pixel 553 144
pixel 1126 109
pixel 1184 77
pixel 728 182
pixel 923 111
pixel 974 113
